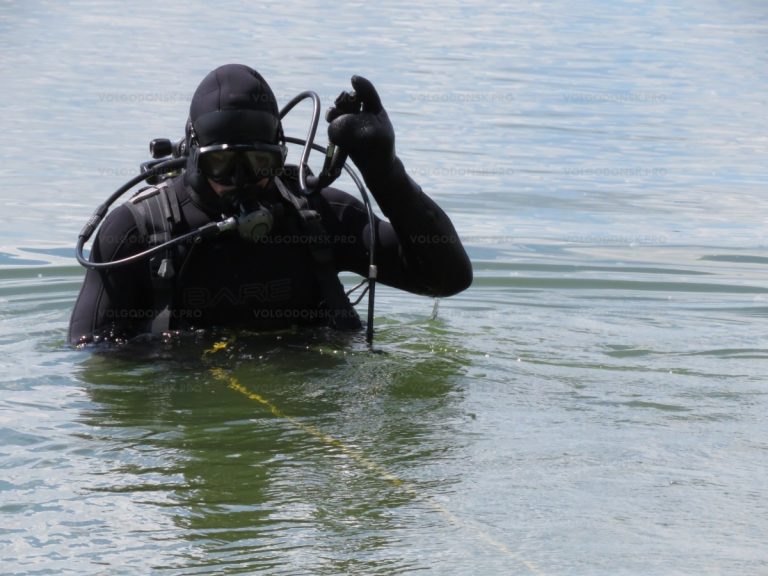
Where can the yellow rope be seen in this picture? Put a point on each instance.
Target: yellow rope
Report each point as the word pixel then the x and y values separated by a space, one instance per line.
pixel 361 459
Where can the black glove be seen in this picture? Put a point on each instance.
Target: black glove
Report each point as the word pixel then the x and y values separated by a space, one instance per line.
pixel 366 135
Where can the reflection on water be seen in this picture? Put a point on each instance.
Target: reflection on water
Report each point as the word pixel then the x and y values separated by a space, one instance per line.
pixel 324 462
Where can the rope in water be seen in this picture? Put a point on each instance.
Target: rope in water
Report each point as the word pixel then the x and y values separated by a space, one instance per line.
pixel 361 460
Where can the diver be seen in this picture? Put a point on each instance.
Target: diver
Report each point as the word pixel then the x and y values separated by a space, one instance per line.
pixel 283 270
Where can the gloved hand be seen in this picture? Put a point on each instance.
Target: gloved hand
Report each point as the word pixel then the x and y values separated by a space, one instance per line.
pixel 367 136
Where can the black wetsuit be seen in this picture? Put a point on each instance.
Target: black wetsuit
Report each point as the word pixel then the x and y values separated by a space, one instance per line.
pixel 228 281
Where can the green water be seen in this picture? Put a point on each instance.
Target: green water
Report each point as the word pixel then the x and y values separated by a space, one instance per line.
pixel 594 404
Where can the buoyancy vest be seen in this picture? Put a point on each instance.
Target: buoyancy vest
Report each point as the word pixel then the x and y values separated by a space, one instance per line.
pixel 158 216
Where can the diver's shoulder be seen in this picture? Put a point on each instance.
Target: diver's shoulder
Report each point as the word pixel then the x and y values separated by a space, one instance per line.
pixel 121 218
pixel 338 197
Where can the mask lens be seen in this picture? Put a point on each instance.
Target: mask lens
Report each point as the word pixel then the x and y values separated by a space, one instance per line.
pixel 218 165
pixel 262 163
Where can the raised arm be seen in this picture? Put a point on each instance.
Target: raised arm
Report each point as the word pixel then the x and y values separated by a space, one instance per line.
pixel 422 246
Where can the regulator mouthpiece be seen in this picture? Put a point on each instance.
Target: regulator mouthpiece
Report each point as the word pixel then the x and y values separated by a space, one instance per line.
pixel 255 225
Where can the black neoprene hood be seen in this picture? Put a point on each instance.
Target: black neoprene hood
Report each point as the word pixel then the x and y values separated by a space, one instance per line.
pixel 234 105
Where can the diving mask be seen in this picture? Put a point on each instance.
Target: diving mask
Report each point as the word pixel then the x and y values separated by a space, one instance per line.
pixel 221 162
